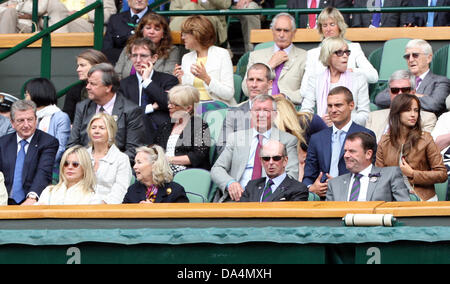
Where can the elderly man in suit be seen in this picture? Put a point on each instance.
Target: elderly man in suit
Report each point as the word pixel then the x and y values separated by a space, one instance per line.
pixel 431 89
pixel 375 20
pixel 277 185
pixel 102 86
pixel 240 162
pixel 325 156
pixel 258 80
pixel 287 61
pixel 365 182
pixel 400 82
pixel 148 87
pixel 26 156
pixel 120 27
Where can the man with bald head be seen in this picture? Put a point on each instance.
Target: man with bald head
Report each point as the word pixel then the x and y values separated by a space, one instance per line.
pixel 277 185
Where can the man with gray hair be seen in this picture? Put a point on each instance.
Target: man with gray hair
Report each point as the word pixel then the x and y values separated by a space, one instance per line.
pixel 240 162
pixel 26 156
pixel 287 61
pixel 400 82
pixel 431 89
pixel 102 86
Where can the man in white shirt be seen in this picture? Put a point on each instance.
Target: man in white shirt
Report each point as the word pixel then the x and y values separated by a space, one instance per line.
pixel 239 162
pixel 365 182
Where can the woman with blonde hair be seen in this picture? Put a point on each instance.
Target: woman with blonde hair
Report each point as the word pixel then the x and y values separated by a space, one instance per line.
pixel 112 167
pixel 76 183
pixel 331 23
pixel 154 179
pixel 300 124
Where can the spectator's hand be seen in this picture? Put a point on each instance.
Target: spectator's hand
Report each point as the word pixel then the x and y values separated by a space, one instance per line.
pixel 406 168
pixel 235 190
pixel 242 4
pixel 147 70
pixel 155 106
pixel 178 72
pixel 327 120
pixel 29 201
pixel 318 187
pixel 278 58
pixel 199 71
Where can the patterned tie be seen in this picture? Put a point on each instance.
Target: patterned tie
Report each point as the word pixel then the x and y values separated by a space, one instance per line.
pixel 102 109
pixel 17 192
pixel 275 89
pixel 376 17
pixel 354 194
pixel 135 19
pixel 430 18
pixel 418 80
pixel 267 191
pixel 257 167
pixel 312 17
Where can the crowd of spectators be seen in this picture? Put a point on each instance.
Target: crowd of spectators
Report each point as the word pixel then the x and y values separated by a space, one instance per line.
pixel 138 118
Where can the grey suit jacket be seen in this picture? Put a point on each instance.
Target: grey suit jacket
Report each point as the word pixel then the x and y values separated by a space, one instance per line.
pixel 389 186
pixel 238 118
pixel 231 163
pixel 291 75
pixel 436 88
pixel 130 125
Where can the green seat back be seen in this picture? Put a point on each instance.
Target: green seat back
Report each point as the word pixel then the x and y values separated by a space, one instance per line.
pixel 237 87
pixel 263 45
pixel 441 190
pixel 440 63
pixel 196 183
pixel 241 67
pixel 392 58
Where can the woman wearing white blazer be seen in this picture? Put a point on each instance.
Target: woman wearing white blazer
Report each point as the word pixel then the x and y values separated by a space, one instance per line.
pixel 334 54
pixel 206 67
pixel 331 23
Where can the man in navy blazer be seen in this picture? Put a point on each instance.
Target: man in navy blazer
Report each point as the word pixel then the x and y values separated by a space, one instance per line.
pixel 40 153
pixel 322 163
pixel 120 27
pixel 148 87
pixel 420 19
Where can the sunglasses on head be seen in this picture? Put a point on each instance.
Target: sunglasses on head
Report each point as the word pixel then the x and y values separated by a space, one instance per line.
pixel 415 55
pixel 340 52
pixel 404 90
pixel 74 164
pixel 275 158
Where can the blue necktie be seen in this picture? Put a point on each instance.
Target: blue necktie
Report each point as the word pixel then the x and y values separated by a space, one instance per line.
pixel 17 192
pixel 430 20
pixel 336 147
pixel 376 17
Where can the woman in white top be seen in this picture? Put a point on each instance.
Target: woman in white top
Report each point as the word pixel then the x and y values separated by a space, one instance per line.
pixel 3 192
pixel 334 54
pixel 206 67
pixel 112 167
pixel 331 23
pixel 76 183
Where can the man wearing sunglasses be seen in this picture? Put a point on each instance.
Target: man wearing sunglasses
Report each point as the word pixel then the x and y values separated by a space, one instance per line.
pixel 277 185
pixel 400 82
pixel 431 89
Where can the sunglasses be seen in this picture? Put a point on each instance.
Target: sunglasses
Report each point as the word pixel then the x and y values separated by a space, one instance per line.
pixel 340 52
pixel 404 90
pixel 415 55
pixel 74 164
pixel 274 158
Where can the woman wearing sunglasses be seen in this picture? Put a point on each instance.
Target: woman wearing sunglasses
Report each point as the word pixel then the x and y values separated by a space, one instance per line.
pixel 111 166
pixel 331 23
pixel 154 179
pixel 335 54
pixel 410 148
pixel 76 183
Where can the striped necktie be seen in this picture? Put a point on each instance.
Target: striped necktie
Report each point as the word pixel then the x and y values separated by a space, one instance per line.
pixel 267 191
pixel 354 194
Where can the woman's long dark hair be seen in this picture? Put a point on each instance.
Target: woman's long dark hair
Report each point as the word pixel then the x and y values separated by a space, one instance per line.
pixel 399 104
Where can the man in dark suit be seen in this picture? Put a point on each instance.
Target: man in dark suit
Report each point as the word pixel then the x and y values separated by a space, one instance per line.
pixel 431 89
pixel 304 4
pixel 103 83
pixel 364 20
pixel 120 27
pixel 277 185
pixel 148 87
pixel 26 156
pixel 325 156
pixel 365 182
pixel 259 81
pixel 428 19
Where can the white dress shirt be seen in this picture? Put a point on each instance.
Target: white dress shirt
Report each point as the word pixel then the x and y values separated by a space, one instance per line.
pixel 364 184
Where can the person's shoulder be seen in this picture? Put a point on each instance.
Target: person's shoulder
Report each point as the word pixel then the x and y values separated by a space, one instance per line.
pixel 41 136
